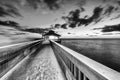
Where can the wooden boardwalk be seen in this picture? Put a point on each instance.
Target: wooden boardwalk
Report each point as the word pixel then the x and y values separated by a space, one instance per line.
pixel 42 66
pixel 39 63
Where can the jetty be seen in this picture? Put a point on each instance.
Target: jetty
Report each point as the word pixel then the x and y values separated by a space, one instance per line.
pixel 49 60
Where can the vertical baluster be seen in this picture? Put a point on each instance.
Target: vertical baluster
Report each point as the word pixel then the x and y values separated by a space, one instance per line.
pixel 71 66
pixel 85 78
pixel 81 75
pixel 74 71
pixel 68 64
pixel 77 74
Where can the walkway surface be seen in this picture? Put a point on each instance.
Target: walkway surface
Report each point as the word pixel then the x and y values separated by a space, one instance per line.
pixel 43 66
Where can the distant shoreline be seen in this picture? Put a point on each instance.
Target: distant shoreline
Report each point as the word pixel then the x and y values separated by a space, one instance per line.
pixel 90 38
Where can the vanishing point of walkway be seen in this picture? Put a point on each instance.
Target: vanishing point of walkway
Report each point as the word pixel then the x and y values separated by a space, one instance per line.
pixel 42 66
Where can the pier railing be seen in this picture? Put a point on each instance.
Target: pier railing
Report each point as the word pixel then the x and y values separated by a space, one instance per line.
pixel 78 67
pixel 11 55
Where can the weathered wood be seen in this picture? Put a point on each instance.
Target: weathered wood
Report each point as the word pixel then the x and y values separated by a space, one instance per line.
pixel 14 55
pixel 88 68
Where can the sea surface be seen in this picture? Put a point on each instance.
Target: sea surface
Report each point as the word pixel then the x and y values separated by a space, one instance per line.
pixel 105 51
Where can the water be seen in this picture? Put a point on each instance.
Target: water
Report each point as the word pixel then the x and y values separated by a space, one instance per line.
pixel 105 51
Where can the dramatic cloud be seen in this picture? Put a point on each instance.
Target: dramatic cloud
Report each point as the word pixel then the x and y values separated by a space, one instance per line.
pixel 10 24
pixel 64 26
pixel 96 15
pixel 44 12
pixel 38 4
pixel 34 4
pixel 3 13
pixel 118 2
pixel 100 13
pixel 109 10
pixel 36 12
pixel 9 10
pixel 57 26
pixel 111 28
pixel 13 10
pixel 52 4
pixel 73 19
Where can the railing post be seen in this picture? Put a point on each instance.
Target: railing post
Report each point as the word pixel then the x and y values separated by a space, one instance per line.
pixel 81 75
pixel 69 65
pixel 74 71
pixel 77 73
pixel 72 68
pixel 85 78
pixel 83 68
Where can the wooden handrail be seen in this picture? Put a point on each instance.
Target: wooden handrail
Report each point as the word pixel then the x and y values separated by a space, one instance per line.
pixel 18 52
pixel 78 67
pixel 7 47
pixel 5 50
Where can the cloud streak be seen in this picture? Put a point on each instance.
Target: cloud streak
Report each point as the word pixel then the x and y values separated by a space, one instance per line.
pixel 111 28
pixel 3 13
pixel 52 4
pixel 9 10
pixel 12 7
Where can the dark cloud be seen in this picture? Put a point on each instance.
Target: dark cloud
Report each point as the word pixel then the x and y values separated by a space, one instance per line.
pixel 73 19
pixel 3 13
pixel 109 10
pixel 96 17
pixel 52 4
pixel 69 33
pixel 96 13
pixel 40 4
pixel 118 3
pixel 13 10
pixel 36 30
pixel 72 25
pixel 9 10
pixel 34 4
pixel 64 26
pixel 10 24
pixel 111 28
pixel 57 26
pixel 81 3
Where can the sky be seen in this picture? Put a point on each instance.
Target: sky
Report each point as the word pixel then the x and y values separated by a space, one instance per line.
pixel 93 16
pixel 38 13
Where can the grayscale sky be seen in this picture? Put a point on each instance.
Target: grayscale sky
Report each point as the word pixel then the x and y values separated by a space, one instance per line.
pixel 43 13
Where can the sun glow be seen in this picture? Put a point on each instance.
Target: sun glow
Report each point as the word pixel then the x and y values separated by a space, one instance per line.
pixel 53 37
